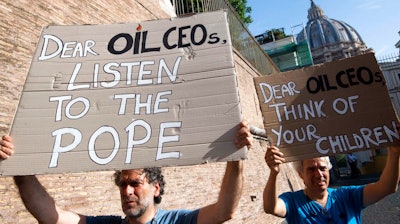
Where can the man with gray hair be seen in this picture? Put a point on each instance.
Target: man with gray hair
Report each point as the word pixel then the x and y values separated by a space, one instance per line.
pixel 317 203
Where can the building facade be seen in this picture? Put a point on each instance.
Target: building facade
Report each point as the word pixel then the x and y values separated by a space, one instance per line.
pixel 330 39
pixel 390 66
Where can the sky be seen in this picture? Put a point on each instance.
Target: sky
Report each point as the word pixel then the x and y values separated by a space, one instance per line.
pixel 377 21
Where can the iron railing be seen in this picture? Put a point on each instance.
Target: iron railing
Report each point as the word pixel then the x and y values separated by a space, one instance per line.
pixel 389 60
pixel 242 40
pixel 390 66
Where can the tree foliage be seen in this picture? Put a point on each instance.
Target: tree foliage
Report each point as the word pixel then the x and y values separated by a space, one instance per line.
pixel 195 6
pixel 243 10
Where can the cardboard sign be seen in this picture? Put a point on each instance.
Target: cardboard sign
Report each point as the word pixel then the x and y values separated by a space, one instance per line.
pixel 123 96
pixel 328 109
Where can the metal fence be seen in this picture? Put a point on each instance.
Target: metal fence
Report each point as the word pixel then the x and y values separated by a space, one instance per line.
pixel 390 66
pixel 388 61
pixel 242 40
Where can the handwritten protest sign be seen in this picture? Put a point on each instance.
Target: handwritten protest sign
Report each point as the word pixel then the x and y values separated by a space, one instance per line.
pixel 122 96
pixel 328 109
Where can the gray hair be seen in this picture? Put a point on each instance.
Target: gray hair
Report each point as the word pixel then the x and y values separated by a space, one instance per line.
pixel 298 165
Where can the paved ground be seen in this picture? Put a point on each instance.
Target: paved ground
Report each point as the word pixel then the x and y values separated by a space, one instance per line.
pixel 386 211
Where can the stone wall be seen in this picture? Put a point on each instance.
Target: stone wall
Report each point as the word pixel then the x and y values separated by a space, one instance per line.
pixel 94 193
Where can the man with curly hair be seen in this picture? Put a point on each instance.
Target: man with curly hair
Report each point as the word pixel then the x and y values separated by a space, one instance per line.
pixel 140 191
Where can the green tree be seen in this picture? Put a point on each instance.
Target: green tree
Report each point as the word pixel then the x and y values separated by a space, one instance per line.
pixel 243 10
pixel 195 6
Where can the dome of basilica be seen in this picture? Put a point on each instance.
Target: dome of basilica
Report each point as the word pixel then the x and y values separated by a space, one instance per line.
pixel 330 39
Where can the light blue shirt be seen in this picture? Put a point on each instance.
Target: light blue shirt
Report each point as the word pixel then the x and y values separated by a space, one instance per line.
pixel 344 205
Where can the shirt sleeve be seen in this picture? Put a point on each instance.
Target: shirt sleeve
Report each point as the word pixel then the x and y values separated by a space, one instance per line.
pixel 177 216
pixel 352 195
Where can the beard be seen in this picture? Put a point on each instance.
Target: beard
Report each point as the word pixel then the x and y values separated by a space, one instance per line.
pixel 137 209
pixel 135 213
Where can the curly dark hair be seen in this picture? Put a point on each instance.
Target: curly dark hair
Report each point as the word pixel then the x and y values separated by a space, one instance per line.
pixel 153 175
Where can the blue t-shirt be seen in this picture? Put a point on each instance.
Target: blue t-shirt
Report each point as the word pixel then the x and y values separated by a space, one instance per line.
pixel 162 217
pixel 344 205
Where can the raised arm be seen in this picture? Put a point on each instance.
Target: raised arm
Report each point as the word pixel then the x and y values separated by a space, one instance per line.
pixel 231 187
pixel 388 181
pixel 273 204
pixel 35 197
pixel 41 205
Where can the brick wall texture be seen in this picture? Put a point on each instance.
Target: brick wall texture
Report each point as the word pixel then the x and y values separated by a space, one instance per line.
pixel 94 193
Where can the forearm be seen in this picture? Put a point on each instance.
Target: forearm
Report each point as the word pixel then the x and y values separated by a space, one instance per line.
pixel 231 187
pixel 270 196
pixel 390 174
pixel 228 198
pixel 388 181
pixel 36 199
